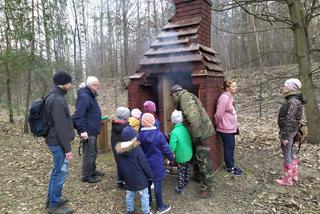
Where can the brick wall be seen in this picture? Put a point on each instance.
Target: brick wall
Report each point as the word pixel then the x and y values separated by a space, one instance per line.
pixel 196 8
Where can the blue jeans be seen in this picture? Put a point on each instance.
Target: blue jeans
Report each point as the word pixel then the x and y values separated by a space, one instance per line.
pixel 228 146
pixel 57 176
pixel 144 200
pixel 158 193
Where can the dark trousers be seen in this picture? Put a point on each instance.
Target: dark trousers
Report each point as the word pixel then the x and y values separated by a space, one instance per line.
pixel 228 146
pixel 183 174
pixel 157 192
pixel 89 157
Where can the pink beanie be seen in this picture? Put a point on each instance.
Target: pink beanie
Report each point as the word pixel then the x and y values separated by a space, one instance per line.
pixel 147 120
pixel 149 106
pixel 292 84
pixel 136 113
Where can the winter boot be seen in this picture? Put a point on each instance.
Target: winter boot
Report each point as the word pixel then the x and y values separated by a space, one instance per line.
pixel 287 179
pixel 295 170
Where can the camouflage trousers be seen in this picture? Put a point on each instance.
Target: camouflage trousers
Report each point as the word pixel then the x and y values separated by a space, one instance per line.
pixel 202 166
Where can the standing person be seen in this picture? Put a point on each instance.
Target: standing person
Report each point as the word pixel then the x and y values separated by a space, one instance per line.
pixel 181 145
pixel 87 119
pixel 290 114
pixel 150 107
pixel 134 120
pixel 118 124
pixel 60 135
pixel 134 168
pixel 225 120
pixel 201 129
pixel 155 146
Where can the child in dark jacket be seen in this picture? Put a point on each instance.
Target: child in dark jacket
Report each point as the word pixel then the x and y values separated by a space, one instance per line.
pixel 155 146
pixel 118 124
pixel 134 169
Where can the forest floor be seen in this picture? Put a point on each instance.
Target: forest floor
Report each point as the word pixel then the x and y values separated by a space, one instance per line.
pixel 26 163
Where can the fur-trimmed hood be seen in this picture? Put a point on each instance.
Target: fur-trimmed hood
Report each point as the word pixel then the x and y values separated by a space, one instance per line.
pixel 127 146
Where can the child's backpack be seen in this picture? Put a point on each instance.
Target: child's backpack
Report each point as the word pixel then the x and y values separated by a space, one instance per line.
pixel 37 118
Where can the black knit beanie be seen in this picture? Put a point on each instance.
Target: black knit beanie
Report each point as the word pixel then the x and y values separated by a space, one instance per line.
pixel 61 78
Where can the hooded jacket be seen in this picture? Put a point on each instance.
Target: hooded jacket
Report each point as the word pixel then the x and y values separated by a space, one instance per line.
pixel 155 146
pixel 117 127
pixel 59 121
pixel 133 165
pixel 180 143
pixel 134 123
pixel 290 113
pixel 87 117
pixel 194 112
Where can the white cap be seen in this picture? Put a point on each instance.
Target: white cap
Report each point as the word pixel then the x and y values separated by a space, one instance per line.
pixel 176 117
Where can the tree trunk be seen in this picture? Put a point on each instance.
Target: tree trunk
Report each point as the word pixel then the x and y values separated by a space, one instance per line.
pixel 8 82
pixel 125 5
pixel 300 36
pixel 28 97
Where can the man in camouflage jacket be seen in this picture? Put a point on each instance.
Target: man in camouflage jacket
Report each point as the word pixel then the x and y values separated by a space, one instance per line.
pixel 201 129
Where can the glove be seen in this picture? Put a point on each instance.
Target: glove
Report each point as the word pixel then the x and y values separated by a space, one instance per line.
pixel 197 141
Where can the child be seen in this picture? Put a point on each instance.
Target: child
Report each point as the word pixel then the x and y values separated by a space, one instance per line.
pixel 150 107
pixel 134 120
pixel 181 145
pixel 134 169
pixel 154 145
pixel 118 124
pixel 290 114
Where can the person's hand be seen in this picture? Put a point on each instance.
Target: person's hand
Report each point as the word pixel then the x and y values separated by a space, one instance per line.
pixel 285 142
pixel 69 156
pixel 84 135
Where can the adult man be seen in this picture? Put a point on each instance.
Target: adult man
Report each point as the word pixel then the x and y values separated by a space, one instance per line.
pixel 201 129
pixel 60 134
pixel 87 122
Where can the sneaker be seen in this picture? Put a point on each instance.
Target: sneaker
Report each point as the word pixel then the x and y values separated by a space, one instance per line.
pixel 164 209
pixel 63 202
pixel 99 173
pixel 235 171
pixel 60 210
pixel 91 180
pixel 177 190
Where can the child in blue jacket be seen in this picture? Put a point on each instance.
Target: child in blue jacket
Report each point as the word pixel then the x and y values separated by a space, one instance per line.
pixel 155 146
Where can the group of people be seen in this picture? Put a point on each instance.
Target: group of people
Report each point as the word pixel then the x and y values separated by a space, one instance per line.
pixel 139 146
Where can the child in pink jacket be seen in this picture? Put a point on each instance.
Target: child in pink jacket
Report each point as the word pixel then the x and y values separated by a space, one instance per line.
pixel 225 120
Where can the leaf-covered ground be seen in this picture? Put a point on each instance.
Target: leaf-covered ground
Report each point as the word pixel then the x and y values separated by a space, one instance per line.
pixel 26 162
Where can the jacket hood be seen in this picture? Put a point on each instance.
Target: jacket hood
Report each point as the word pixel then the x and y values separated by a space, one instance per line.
pixel 86 90
pixel 127 146
pixel 119 125
pixel 298 95
pixel 133 121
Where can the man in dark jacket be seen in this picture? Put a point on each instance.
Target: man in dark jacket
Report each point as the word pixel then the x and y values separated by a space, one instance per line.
pixel 87 122
pixel 201 129
pixel 59 139
pixel 134 169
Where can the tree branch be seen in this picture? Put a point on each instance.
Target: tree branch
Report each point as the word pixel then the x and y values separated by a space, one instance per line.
pixel 250 32
pixel 267 15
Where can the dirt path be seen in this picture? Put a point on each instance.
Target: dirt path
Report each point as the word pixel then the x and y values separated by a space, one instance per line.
pixel 25 169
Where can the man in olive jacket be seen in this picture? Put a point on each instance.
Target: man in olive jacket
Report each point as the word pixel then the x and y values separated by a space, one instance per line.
pixel 60 135
pixel 201 129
